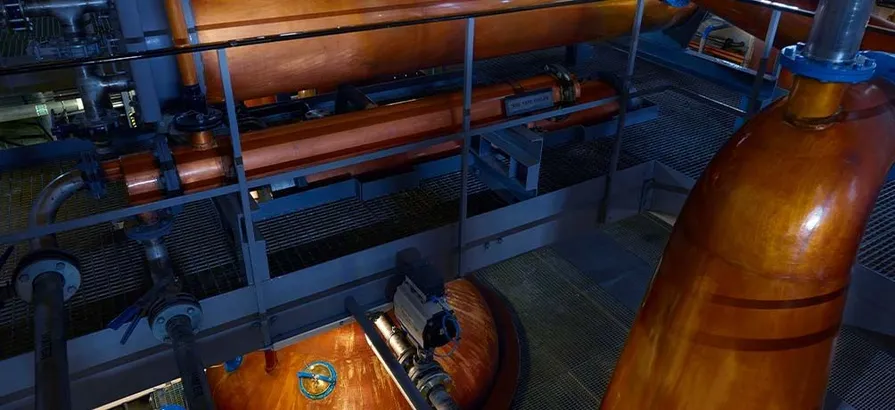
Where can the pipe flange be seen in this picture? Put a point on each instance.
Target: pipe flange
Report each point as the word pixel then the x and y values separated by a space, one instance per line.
pixel 196 121
pixel 428 375
pixel 47 261
pixel 859 71
pixel 167 308
pixel 146 232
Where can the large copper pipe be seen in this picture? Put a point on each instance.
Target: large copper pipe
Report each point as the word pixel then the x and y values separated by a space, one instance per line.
pixel 748 298
pixel 303 144
pixel 323 63
pixel 793 28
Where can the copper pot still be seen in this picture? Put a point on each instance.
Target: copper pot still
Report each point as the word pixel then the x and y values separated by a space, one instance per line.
pixel 362 382
pixel 749 295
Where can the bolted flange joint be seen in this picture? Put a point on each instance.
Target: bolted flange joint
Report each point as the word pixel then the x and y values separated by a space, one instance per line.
pixel 167 308
pixel 47 261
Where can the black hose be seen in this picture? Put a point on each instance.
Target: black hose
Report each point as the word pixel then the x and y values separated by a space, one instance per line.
pixel 52 390
pixel 192 372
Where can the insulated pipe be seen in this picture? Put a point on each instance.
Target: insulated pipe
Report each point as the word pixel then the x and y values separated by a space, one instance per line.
pixel 47 204
pixel 52 388
pixel 278 149
pixel 325 63
pixel 192 372
pixel 838 29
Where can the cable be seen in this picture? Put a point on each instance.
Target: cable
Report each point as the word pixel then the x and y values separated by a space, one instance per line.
pixel 449 315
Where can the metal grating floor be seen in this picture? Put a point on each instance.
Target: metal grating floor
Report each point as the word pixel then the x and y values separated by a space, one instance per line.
pixel 876 250
pixel 574 322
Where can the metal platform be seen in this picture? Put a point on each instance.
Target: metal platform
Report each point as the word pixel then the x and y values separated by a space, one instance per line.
pixel 576 301
pixel 684 136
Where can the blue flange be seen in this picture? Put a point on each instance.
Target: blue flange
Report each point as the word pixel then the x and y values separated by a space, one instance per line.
pixel 143 232
pixel 885 64
pixel 860 71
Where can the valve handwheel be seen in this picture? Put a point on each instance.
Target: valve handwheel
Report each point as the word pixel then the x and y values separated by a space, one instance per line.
pixel 317 380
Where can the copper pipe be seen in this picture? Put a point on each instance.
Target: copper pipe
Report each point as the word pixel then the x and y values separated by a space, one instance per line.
pixel 749 296
pixel 812 99
pixel 181 37
pixel 202 140
pixel 324 63
pixel 271 361
pixel 793 28
pixel 324 140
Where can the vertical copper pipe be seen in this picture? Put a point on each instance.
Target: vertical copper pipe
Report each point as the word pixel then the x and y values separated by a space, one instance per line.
pixel 271 360
pixel 189 78
pixel 749 295
pixel 202 140
pixel 181 37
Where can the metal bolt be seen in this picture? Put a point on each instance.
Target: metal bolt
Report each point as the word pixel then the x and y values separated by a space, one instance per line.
pixel 160 320
pixel 23 278
pixel 60 266
pixel 190 311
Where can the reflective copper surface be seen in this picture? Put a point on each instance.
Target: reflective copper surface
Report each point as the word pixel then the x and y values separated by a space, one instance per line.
pixel 748 298
pixel 323 140
pixel 363 382
pixel 323 63
pixel 792 28
pixel 181 37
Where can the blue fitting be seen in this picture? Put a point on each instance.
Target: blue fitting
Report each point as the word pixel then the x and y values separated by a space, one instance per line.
pixel 678 3
pixel 143 232
pixel 861 70
pixel 331 379
pixel 885 64
pixel 92 172
pixel 233 364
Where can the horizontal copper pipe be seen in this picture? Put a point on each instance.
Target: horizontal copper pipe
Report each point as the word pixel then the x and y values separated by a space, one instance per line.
pixel 303 144
pixel 323 63
pixel 793 28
